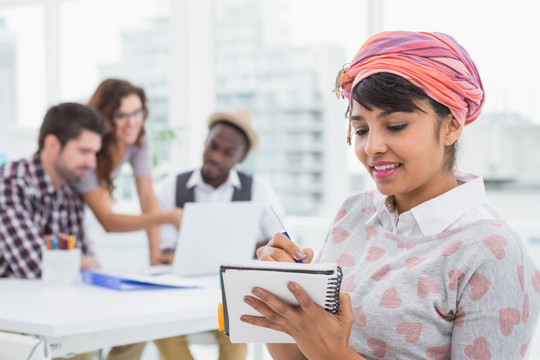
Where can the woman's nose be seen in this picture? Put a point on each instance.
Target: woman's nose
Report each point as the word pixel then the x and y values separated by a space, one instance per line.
pixel 375 143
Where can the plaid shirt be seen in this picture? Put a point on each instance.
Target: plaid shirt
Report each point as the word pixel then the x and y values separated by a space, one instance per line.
pixel 31 208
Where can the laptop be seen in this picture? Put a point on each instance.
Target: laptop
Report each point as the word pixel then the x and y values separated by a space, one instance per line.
pixel 211 233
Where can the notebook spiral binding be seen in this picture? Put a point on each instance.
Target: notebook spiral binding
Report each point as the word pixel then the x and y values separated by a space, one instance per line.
pixel 332 293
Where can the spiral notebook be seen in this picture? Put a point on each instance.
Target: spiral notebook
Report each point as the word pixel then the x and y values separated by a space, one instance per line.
pixel 321 281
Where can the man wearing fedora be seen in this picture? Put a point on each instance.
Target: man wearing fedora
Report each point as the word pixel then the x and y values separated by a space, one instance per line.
pixel 230 139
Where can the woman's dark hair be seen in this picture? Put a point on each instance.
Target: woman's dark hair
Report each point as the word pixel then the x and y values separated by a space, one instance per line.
pixel 66 121
pixel 107 100
pixel 390 92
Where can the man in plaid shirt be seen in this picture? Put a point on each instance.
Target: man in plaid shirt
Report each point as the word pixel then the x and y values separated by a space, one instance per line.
pixel 36 198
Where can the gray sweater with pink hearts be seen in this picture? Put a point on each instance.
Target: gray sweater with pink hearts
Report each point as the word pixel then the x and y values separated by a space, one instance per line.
pixel 470 292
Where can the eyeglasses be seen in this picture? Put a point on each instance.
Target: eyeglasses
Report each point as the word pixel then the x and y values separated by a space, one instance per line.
pixel 137 115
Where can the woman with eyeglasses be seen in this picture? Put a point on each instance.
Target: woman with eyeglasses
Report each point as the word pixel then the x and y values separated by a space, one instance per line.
pixel 124 105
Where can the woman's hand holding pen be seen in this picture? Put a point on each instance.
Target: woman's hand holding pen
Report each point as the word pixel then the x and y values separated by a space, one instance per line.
pixel 318 333
pixel 281 248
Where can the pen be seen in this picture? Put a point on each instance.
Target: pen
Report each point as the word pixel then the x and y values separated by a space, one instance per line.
pixel 278 224
pixel 49 243
pixel 71 242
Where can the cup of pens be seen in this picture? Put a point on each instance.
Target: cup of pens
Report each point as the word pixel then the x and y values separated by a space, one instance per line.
pixel 61 261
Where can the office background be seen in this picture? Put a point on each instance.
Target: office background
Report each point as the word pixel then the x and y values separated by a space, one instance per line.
pixel 278 58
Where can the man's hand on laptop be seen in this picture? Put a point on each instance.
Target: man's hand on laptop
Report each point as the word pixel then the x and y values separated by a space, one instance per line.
pixel 166 257
pixel 89 262
pixel 176 217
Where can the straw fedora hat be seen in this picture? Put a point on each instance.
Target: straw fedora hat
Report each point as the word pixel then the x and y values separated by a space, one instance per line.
pixel 242 119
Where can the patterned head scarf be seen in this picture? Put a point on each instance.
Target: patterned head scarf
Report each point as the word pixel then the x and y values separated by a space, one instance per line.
pixel 435 62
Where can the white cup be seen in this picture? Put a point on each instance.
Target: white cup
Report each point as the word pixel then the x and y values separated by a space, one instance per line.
pixel 61 267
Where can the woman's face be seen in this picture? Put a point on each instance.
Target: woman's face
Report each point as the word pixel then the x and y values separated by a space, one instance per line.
pixel 402 152
pixel 129 119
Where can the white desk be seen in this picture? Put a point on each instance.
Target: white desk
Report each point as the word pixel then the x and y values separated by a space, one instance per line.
pixel 86 318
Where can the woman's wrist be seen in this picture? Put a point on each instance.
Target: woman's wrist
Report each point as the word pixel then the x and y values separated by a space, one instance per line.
pixel 354 355
pixel 349 353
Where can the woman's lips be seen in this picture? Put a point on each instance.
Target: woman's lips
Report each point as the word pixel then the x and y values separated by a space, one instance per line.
pixel 383 170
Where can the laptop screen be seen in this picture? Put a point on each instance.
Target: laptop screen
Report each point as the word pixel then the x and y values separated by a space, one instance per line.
pixel 211 233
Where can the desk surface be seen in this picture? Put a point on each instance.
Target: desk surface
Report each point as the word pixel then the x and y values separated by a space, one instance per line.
pixel 84 317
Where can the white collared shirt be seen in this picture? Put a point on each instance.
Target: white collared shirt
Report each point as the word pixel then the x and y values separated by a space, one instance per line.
pixel 261 191
pixel 461 205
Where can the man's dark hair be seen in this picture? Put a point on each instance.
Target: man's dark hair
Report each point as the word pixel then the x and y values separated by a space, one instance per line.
pixel 66 121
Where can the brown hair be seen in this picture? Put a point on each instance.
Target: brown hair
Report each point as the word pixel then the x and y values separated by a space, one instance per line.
pixel 107 100
pixel 66 121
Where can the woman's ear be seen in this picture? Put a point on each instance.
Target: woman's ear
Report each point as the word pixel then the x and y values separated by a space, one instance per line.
pixel 452 130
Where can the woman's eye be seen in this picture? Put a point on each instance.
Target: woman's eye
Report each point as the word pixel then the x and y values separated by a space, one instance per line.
pixel 397 127
pixel 360 132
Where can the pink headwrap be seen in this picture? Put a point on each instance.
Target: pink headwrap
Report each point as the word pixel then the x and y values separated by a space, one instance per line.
pixel 435 62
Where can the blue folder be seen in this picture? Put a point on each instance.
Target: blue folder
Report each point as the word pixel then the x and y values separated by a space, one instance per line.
pixel 117 282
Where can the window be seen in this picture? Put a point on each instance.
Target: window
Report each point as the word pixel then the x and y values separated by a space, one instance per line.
pixel 22 66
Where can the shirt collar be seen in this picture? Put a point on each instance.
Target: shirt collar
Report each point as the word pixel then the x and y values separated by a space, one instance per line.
pixel 436 215
pixel 197 180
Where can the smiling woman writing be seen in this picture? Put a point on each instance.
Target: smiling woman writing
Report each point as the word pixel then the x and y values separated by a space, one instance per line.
pixel 430 269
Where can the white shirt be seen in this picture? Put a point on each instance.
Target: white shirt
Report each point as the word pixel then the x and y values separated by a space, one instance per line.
pixel 261 191
pixel 459 206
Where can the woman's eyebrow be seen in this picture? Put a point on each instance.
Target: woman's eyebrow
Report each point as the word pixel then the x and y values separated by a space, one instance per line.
pixel 386 113
pixel 379 116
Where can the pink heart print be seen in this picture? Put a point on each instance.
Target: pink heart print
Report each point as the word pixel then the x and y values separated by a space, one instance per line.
pixel 367 210
pixel 479 286
pixel 521 277
pixel 439 352
pixel 348 284
pixel 525 315
pixel 381 273
pixel 377 346
pixel 451 248
pixel 410 330
pixel 426 286
pixel 413 261
pixel 345 260
pixel 407 246
pixel 375 253
pixel 508 317
pixel 390 299
pixel 340 215
pixel 479 350
pixel 370 232
pixel 496 244
pixel 454 276
pixel 460 317
pixel 448 233
pixel 524 348
pixel 339 234
pixel 536 281
pixel 360 316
